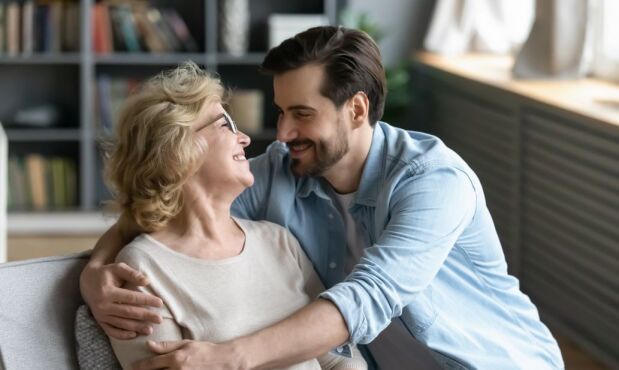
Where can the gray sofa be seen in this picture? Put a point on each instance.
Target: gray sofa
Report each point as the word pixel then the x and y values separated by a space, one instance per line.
pixel 38 300
pixel 38 303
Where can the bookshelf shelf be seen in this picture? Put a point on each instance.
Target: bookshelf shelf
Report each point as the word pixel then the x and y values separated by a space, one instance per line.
pixel 43 134
pixel 42 58
pixel 148 58
pixel 249 58
pixel 70 82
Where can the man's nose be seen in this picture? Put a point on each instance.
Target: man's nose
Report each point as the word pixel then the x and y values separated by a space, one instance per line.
pixel 286 130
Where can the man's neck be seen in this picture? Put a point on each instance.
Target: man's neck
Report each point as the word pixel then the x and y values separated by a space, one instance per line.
pixel 345 175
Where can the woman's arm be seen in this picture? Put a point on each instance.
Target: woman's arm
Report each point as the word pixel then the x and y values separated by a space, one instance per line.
pixel 132 350
pixel 120 312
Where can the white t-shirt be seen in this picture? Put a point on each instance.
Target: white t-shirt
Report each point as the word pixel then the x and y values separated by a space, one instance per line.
pixel 223 299
pixel 391 347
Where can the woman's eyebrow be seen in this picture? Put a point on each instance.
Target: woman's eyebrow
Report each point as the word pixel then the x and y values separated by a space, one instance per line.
pixel 217 118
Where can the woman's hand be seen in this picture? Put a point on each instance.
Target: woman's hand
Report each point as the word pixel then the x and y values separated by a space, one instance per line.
pixel 120 312
pixel 187 354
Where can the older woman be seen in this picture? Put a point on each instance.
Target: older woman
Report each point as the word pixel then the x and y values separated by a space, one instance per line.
pixel 177 164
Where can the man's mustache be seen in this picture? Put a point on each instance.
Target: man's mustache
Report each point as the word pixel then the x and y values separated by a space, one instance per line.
pixel 299 142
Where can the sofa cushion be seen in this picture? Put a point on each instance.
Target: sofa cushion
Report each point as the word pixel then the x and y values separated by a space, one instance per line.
pixel 37 311
pixel 94 351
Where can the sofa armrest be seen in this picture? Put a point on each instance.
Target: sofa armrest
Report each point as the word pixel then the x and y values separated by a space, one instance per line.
pixel 39 298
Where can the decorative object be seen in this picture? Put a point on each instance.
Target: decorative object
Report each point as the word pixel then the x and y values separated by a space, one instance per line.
pixel 557 44
pixel 246 108
pixel 234 20
pixel 283 26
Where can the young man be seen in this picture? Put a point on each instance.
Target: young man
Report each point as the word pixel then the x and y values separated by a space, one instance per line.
pixel 394 222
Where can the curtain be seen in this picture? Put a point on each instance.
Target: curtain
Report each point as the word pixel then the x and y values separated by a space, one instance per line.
pixel 495 26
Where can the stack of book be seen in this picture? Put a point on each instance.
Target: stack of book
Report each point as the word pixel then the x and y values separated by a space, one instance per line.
pixel 42 183
pixel 110 96
pixel 30 26
pixel 139 27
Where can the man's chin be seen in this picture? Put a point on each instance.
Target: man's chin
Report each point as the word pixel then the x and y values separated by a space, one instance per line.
pixel 299 170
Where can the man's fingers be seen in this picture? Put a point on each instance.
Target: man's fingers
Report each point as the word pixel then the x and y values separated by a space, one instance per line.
pixel 135 313
pixel 130 325
pixel 117 333
pixel 128 273
pixel 165 346
pixel 134 298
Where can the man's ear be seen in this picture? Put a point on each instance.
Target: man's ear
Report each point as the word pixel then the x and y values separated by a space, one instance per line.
pixel 359 108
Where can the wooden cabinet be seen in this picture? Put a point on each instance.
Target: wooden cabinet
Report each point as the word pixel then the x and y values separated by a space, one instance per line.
pixel 551 180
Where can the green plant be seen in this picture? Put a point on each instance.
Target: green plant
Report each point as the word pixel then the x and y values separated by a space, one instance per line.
pixel 398 76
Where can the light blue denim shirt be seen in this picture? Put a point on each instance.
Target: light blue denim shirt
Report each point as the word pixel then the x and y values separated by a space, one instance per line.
pixel 434 258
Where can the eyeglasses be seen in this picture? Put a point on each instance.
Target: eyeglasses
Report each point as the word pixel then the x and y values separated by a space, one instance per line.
pixel 231 124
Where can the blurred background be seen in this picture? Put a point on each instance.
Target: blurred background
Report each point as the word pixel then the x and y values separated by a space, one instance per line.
pixel 525 91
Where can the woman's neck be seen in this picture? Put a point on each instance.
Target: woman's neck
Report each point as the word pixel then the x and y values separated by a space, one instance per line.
pixel 204 228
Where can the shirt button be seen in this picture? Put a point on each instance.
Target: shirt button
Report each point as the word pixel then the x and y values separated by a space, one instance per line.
pixel 330 216
pixel 339 349
pixel 332 265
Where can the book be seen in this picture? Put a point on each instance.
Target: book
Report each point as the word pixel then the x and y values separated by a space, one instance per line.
pixel 71 30
pixel 70 175
pixel 35 167
pixel 27 27
pixel 151 36
pixel 128 29
pixel 55 29
pixel 102 31
pixel 17 184
pixel 116 19
pixel 12 28
pixel 2 27
pixel 178 26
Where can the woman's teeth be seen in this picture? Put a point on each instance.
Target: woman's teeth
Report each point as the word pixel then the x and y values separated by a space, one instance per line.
pixel 238 157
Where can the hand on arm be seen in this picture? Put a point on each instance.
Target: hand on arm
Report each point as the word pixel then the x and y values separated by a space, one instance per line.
pixel 312 331
pixel 117 310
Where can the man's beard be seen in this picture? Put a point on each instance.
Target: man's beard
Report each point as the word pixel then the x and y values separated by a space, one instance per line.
pixel 327 154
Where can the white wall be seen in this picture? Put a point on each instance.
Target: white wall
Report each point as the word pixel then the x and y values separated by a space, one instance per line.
pixel 4 148
pixel 402 22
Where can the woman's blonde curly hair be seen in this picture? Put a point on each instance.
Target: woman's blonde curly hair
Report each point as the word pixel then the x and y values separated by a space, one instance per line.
pixel 154 150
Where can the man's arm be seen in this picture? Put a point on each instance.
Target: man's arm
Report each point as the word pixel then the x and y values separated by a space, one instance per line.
pixel 313 330
pixel 119 311
pixel 310 332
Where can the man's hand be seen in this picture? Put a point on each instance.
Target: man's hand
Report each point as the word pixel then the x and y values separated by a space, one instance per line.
pixel 118 311
pixel 187 354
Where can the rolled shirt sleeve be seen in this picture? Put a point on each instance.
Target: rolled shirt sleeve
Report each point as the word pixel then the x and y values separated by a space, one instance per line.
pixel 428 213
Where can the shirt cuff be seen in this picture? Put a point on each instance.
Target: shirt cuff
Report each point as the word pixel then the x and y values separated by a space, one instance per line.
pixel 342 297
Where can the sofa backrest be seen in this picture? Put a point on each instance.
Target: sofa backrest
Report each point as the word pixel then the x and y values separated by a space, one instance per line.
pixel 38 300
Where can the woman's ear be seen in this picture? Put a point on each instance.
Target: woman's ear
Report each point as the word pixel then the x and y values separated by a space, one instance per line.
pixel 360 105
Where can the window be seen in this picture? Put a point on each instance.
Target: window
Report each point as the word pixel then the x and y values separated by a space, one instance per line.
pixel 606 45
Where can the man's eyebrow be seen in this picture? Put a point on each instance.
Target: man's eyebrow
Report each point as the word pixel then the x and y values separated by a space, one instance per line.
pixel 296 107
pixel 217 118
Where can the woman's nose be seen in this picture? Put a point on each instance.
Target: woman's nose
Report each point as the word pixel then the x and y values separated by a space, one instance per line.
pixel 244 139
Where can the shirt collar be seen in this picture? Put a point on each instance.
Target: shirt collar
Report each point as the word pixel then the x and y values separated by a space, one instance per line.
pixel 370 177
pixel 373 171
